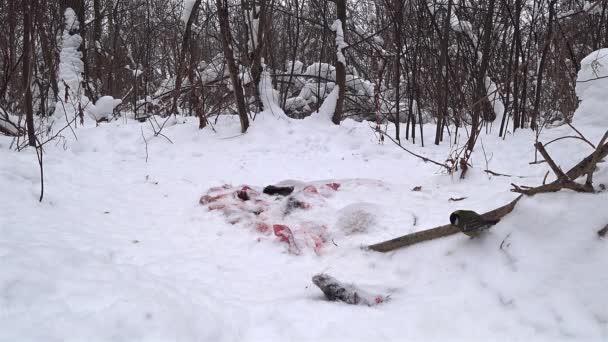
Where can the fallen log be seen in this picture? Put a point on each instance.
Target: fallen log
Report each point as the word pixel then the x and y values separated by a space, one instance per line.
pixel 567 180
pixel 438 232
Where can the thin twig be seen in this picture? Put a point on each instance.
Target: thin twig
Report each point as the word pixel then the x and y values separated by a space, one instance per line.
pixel 558 172
pixel 545 178
pixel 452 199
pixel 39 152
pixel 145 141
pixel 501 174
pixel 425 159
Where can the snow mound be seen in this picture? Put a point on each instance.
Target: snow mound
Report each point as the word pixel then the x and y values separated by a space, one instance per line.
pixel 269 96
pixel 591 89
pixel 104 107
pixel 328 107
pixel 357 218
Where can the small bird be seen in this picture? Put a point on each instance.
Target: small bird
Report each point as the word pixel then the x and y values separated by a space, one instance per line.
pixel 470 222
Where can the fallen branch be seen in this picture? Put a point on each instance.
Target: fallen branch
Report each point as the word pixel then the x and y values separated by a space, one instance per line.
pixel 425 159
pixel 452 199
pixel 594 160
pixel 438 232
pixel 500 174
pixel 558 172
pixel 567 180
pixel 583 166
pixel 551 187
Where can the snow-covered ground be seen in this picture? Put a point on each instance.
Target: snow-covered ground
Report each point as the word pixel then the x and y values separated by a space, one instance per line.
pixel 121 249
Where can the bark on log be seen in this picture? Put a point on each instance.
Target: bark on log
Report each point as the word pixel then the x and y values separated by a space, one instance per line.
pixel 438 232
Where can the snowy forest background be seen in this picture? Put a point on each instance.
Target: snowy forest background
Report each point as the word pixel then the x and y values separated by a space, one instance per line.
pixel 511 64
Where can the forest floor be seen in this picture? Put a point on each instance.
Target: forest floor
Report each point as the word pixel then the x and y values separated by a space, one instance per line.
pixel 121 249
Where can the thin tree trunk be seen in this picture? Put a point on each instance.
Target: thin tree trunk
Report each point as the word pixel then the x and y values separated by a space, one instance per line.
pixel 397 80
pixel 340 67
pixel 518 52
pixel 96 41
pixel 222 11
pixel 443 72
pixel 481 94
pixel 257 50
pixel 27 70
pixel 541 67
pixel 182 56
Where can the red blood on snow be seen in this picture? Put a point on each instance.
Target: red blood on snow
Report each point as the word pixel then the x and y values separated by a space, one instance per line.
pixel 286 235
pixel 310 189
pixel 242 195
pixel 282 231
pixel 209 199
pixel 318 243
pixel 262 227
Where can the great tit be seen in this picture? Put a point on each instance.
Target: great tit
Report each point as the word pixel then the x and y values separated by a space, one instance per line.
pixel 470 222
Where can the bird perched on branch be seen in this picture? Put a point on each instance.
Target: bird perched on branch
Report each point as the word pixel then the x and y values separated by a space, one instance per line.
pixel 470 222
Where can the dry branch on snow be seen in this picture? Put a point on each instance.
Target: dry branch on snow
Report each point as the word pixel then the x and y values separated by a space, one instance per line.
pixel 438 232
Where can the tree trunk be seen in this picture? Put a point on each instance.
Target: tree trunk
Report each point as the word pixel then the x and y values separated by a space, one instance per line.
pixel 340 67
pixel 257 50
pixel 518 52
pixel 541 67
pixel 442 104
pixel 481 102
pixel 222 11
pixel 397 80
pixel 27 70
pixel 182 56
pixel 97 40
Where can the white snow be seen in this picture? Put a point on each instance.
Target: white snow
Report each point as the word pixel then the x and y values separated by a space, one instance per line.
pixel 9 123
pixel 494 98
pixel 592 88
pixel 297 67
pixel 253 25
pixel 321 69
pixel 269 96
pixel 70 75
pixel 104 107
pixel 328 107
pixel 340 44
pixel 121 249
pixel 188 5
